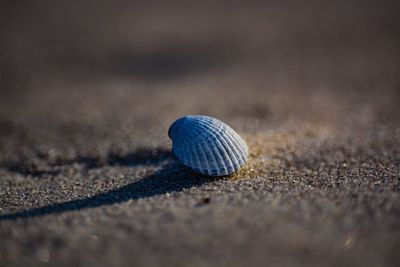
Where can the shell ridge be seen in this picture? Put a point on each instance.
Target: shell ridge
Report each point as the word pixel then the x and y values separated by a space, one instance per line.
pixel 191 156
pixel 219 163
pixel 243 144
pixel 242 153
pixel 210 157
pixel 211 124
pixel 223 151
pixel 190 137
pixel 240 143
pixel 197 165
pixel 223 155
pixel 217 156
pixel 216 133
pixel 206 126
pixel 204 157
pixel 196 131
pixel 246 150
pixel 232 152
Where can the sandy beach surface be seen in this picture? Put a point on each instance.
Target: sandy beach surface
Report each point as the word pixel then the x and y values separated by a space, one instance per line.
pixel 88 92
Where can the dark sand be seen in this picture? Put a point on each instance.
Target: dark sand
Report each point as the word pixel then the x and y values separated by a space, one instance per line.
pixel 88 93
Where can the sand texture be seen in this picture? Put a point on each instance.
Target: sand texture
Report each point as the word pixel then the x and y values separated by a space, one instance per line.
pixel 87 95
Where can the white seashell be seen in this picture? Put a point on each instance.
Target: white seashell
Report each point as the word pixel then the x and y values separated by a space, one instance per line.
pixel 207 145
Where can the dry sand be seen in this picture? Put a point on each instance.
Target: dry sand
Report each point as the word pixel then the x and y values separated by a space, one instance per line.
pixel 88 93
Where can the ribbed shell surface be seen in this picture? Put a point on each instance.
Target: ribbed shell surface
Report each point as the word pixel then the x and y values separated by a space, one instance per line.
pixel 207 145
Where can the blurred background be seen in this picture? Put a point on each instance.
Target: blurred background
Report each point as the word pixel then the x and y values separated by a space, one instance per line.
pixel 60 49
pixel 80 80
pixel 99 62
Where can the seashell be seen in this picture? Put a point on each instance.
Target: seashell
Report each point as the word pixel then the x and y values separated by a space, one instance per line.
pixel 207 145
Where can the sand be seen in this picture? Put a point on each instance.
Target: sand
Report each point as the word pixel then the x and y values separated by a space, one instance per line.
pixel 87 177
